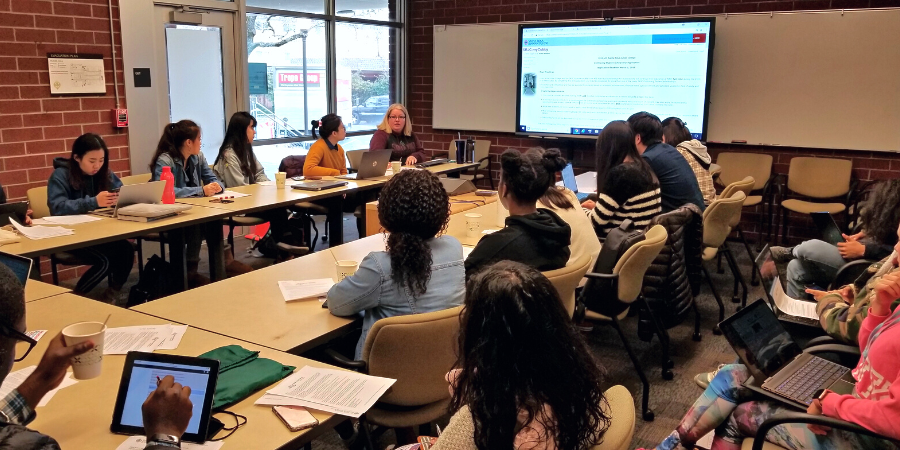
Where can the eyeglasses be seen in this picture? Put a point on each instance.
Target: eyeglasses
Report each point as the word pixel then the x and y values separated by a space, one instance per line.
pixel 25 344
pixel 397 117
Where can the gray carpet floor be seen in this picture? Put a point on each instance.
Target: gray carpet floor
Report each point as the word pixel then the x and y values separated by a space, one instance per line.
pixel 668 399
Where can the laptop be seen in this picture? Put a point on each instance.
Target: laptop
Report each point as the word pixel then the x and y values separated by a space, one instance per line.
pixel 831 232
pixel 19 265
pixel 13 210
pixel 373 164
pixel 568 176
pixel 774 359
pixel 131 194
pixel 318 185
pixel 768 283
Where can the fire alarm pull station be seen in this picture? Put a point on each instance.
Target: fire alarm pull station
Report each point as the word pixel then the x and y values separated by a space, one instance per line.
pixel 120 118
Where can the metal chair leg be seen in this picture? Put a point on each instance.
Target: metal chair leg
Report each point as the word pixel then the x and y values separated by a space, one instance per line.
pixel 53 271
pixel 754 281
pixel 140 255
pixel 739 276
pixel 364 427
pixel 231 237
pixel 718 299
pixel 663 335
pixel 647 413
pixel 697 337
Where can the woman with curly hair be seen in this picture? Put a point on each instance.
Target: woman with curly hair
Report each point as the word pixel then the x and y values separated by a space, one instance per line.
pixel 421 270
pixel 814 263
pixel 525 378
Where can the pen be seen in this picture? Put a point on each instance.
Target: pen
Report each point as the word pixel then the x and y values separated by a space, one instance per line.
pixel 158 380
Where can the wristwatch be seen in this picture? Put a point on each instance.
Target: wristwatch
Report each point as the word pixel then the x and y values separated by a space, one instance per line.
pixel 820 394
pixel 165 440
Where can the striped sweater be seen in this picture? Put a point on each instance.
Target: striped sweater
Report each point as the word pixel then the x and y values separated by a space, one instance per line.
pixel 628 193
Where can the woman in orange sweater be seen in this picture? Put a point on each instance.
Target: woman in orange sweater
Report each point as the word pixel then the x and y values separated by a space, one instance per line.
pixel 326 157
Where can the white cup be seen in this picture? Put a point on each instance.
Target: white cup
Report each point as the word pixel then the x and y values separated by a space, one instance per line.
pixel 88 365
pixel 345 268
pixel 280 177
pixel 395 166
pixel 473 225
pixel 502 214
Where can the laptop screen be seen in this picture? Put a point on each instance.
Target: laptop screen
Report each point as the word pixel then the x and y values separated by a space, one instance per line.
pixel 19 265
pixel 759 339
pixel 568 178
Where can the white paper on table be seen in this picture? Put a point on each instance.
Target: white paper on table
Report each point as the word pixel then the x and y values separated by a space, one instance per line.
pixel 489 231
pixel 230 194
pixel 145 338
pixel 39 232
pixel 171 341
pixel 467 251
pixel 792 306
pixel 306 289
pixel 335 391
pixel 71 220
pixel 279 400
pixel 14 379
pixel 36 334
pixel 139 442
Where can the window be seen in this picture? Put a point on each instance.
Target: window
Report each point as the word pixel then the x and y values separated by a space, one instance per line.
pixel 305 62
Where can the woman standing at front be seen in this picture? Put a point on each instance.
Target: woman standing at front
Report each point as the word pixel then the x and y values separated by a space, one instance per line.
pixel 395 133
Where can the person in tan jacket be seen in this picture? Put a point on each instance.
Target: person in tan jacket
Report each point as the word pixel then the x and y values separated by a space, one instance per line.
pixel 326 156
pixel 677 134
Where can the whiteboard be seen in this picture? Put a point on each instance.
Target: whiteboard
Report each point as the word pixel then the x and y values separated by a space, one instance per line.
pixel 802 79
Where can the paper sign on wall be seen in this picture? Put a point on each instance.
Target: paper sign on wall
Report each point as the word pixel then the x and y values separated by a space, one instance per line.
pixel 76 73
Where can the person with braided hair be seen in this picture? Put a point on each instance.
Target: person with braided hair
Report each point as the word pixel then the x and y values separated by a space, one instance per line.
pixel 420 271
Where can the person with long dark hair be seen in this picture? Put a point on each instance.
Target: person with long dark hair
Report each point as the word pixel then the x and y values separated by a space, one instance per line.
pixel 326 156
pixel 525 378
pixel 82 183
pixel 421 269
pixel 626 185
pixel 814 263
pixel 677 134
pixel 534 236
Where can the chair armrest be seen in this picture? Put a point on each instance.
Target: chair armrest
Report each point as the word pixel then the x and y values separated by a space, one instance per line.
pixel 602 276
pixel 821 340
pixel 833 348
pixel 796 417
pixel 344 362
pixel 849 272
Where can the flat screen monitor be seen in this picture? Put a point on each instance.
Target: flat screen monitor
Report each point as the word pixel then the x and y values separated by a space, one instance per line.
pixel 574 78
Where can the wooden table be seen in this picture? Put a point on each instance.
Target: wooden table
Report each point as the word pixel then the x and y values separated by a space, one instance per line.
pixel 250 307
pixel 36 290
pixel 458 204
pixel 457 226
pixel 358 249
pixel 79 416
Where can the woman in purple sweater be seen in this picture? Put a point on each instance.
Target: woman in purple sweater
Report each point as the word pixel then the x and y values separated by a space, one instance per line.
pixel 395 133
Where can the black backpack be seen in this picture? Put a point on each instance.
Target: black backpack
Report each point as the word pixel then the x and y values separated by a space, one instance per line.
pixel 600 295
pixel 157 281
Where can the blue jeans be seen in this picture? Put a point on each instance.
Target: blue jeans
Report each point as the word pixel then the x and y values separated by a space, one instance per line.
pixel 815 264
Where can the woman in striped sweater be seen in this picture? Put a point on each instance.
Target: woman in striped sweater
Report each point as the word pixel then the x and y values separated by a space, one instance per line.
pixel 627 188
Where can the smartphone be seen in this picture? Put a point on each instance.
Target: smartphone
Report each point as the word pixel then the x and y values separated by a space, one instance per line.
pixel 295 417
pixel 113 191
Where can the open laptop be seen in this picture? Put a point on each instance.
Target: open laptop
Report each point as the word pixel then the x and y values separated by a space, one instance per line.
pixel 831 232
pixel 775 360
pixel 131 194
pixel 764 258
pixel 19 265
pixel 373 164
pixel 568 178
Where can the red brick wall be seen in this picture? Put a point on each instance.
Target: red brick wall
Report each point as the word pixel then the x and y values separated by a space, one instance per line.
pixel 426 13
pixel 36 127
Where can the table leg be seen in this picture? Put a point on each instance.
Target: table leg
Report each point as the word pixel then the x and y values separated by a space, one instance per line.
pixel 177 258
pixel 216 246
pixel 336 220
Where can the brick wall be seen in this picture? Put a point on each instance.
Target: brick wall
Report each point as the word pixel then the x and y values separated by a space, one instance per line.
pixel 426 13
pixel 36 127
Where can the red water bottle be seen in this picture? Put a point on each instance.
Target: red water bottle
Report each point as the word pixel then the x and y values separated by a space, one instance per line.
pixel 169 192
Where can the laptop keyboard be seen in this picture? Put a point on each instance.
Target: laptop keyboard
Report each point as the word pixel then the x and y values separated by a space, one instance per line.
pixel 815 374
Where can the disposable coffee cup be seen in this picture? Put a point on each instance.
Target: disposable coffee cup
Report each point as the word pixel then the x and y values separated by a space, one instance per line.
pixel 345 269
pixel 87 365
pixel 473 225
pixel 280 177
pixel 395 166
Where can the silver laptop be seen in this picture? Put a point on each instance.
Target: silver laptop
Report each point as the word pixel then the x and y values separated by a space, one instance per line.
pixel 130 194
pixel 373 164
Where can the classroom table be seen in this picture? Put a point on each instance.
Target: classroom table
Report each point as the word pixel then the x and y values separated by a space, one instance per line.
pixel 358 249
pixel 457 225
pixel 79 416
pixel 36 290
pixel 251 307
pixel 458 204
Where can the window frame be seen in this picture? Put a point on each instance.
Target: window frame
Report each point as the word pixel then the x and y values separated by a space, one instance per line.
pixel 331 19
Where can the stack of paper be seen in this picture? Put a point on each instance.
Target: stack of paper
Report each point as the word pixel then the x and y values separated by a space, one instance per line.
pixel 306 289
pixel 14 379
pixel 39 232
pixel 335 391
pixel 230 194
pixel 139 442
pixel 144 338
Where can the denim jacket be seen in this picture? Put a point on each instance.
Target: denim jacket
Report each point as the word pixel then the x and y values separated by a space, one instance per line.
pixel 197 169
pixel 65 200
pixel 372 291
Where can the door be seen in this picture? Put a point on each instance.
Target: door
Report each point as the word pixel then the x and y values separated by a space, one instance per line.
pixel 196 71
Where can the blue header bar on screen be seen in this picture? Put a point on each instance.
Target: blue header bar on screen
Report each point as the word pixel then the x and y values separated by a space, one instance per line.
pixel 686 38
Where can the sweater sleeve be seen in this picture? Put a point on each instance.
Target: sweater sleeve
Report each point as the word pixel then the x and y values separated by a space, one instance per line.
pixel 378 141
pixel 313 158
pixel 59 202
pixel 879 416
pixel 875 251
pixel 357 292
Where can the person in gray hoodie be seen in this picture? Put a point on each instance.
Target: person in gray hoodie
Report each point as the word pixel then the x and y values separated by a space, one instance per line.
pixel 80 184
pixel 676 133
pixel 534 236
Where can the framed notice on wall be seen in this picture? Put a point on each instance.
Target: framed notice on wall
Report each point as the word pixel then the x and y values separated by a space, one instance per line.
pixel 76 73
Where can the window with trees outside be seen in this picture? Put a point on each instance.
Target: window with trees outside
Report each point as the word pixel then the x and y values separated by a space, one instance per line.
pixel 308 58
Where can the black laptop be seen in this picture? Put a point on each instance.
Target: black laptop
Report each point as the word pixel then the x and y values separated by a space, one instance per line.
pixel 778 365
pixel 824 221
pixel 318 185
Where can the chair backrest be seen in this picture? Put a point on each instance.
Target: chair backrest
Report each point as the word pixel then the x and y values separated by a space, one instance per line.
pixel 416 350
pixel 355 157
pixel 634 263
pixel 820 177
pixel 137 179
pixel 37 198
pixel 566 279
pixel 619 407
pixel 719 216
pixel 745 186
pixel 737 166
pixel 292 165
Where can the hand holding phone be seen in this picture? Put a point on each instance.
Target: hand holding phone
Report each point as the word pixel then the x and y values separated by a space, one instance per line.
pixel 296 418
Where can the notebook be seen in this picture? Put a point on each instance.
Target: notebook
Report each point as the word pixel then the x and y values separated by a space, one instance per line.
pixel 318 185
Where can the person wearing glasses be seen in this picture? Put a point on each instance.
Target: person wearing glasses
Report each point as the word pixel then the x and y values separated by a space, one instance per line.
pixel 395 133
pixel 166 412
